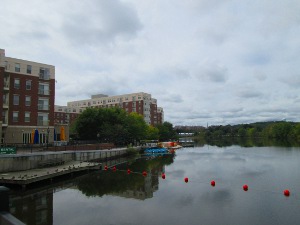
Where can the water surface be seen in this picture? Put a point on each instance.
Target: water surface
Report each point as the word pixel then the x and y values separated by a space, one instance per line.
pixel 107 197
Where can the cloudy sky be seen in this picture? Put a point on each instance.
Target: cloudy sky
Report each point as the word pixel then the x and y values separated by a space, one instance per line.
pixel 205 61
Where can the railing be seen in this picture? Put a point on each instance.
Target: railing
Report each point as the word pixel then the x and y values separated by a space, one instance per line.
pixel 42 123
pixel 44 92
pixel 43 76
pixel 43 107
pixel 6 85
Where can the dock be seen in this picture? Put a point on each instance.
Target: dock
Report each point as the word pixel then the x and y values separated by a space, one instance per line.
pixel 27 177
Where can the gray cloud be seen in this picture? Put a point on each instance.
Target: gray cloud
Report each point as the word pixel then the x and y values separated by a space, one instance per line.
pixel 215 62
pixel 103 21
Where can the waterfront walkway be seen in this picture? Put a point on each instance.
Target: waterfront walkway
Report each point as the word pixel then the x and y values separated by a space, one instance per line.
pixel 26 168
pixel 26 177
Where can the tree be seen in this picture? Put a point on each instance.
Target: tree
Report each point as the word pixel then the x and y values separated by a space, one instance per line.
pixel 152 133
pixel 136 127
pixel 87 124
pixel 166 131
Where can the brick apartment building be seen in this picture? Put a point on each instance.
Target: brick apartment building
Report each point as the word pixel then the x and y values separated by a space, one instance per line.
pixel 141 103
pixel 28 95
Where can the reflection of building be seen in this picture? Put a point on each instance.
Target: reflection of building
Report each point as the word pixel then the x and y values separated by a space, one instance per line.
pixel 35 208
pixel 141 103
pixel 145 191
pixel 26 99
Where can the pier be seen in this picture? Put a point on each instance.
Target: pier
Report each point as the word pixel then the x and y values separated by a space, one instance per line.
pixel 25 169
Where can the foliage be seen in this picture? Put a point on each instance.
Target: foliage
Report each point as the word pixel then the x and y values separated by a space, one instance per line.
pixel 276 129
pixel 132 151
pixel 166 132
pixel 115 125
pixel 152 133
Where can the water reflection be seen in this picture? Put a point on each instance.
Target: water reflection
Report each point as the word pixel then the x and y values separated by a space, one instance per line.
pixel 246 142
pixel 107 197
pixel 35 206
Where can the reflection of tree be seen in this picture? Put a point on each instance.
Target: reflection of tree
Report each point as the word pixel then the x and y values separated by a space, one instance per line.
pixel 109 182
pixel 251 142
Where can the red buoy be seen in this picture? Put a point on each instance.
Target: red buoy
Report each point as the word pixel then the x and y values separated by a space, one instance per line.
pixel 105 168
pixel 245 187
pixel 163 176
pixel 286 193
pixel 144 173
pixel 114 168
pixel 213 183
pixel 128 171
pixel 186 179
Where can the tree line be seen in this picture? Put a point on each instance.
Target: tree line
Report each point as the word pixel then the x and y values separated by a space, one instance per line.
pixel 115 125
pixel 275 129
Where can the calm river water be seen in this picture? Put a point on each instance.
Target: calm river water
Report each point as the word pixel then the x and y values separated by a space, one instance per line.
pixel 108 197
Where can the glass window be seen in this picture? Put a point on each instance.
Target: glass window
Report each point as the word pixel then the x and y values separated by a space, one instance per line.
pixel 15 116
pixel 44 73
pixel 6 65
pixel 43 89
pixel 43 104
pixel 16 99
pixel 17 83
pixel 29 69
pixel 28 84
pixel 27 100
pixel 17 67
pixel 27 116
pixel 43 119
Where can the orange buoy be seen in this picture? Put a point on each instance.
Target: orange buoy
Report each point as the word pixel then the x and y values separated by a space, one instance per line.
pixel 186 179
pixel 286 193
pixel 163 176
pixel 245 187
pixel 144 173
pixel 213 183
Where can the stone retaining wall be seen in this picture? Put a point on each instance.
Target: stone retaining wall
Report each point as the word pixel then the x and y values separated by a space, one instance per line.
pixel 19 162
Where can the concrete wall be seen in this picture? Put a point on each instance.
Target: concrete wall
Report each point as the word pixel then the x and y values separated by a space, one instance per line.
pixel 19 162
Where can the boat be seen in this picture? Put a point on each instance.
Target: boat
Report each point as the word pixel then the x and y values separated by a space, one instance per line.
pixel 171 145
pixel 156 150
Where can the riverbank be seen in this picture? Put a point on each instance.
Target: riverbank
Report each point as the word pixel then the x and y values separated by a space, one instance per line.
pixel 25 169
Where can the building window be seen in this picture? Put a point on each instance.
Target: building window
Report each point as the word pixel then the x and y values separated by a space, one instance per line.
pixel 17 83
pixel 29 69
pixel 44 73
pixel 43 119
pixel 28 84
pixel 15 116
pixel 27 100
pixel 27 116
pixel 43 89
pixel 16 99
pixel 6 65
pixel 43 104
pixel 17 67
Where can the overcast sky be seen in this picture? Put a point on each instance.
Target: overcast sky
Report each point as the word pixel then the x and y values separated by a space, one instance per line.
pixel 205 61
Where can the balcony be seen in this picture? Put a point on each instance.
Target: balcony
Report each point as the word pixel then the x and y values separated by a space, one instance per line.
pixel 43 76
pixel 44 92
pixel 43 107
pixel 5 104
pixel 6 86
pixel 43 123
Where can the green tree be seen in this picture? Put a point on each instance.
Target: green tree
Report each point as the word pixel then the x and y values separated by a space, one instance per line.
pixel 136 127
pixel 166 132
pixel 152 133
pixel 87 124
pixel 242 132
